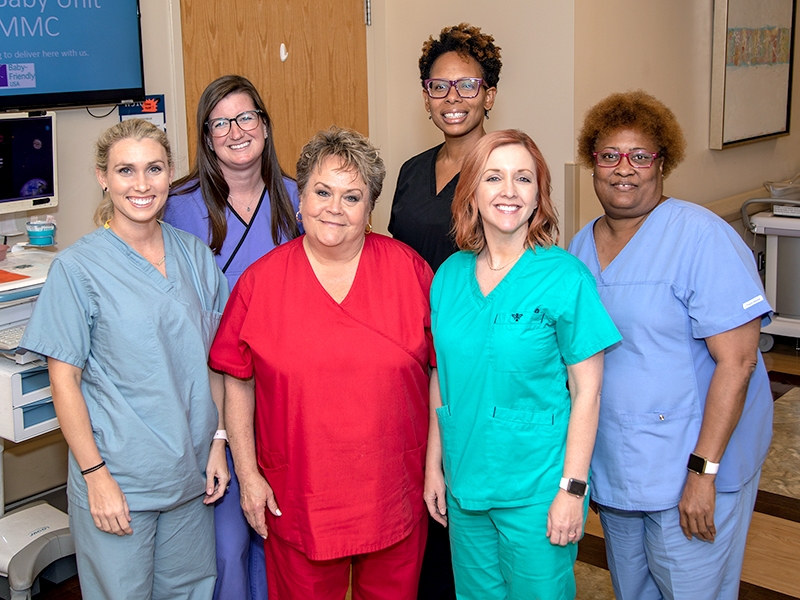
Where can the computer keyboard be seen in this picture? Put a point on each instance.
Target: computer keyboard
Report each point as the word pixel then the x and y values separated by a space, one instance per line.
pixel 11 337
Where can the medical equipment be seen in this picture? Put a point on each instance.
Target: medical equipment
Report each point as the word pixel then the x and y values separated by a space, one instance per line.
pixel 782 279
pixel 34 538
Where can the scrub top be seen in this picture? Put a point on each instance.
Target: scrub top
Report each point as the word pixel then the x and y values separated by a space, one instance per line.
pixel 341 414
pixel 245 243
pixel 503 373
pixel 141 340
pixel 420 217
pixel 684 276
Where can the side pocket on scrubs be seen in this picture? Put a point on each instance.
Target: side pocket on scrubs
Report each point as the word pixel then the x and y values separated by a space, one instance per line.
pixel 658 443
pixel 210 323
pixel 443 414
pixel 275 470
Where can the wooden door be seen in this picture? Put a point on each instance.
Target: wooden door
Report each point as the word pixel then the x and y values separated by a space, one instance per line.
pixel 322 82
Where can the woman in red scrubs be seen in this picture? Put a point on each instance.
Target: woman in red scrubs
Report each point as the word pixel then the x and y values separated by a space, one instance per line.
pixel 325 344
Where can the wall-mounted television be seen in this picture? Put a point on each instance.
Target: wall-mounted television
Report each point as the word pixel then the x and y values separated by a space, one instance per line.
pixel 67 53
pixel 28 168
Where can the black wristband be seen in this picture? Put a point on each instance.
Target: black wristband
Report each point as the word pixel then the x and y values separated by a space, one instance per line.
pixel 94 468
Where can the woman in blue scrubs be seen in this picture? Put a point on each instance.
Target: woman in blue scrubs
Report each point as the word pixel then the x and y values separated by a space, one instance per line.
pixel 519 333
pixel 126 318
pixel 686 417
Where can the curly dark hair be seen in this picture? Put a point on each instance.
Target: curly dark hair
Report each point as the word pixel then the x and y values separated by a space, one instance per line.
pixel 636 110
pixel 467 40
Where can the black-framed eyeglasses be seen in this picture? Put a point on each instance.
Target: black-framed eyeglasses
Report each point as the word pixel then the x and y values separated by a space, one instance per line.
pixel 466 87
pixel 638 159
pixel 247 121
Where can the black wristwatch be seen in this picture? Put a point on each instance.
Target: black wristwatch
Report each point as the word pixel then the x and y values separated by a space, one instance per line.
pixel 574 487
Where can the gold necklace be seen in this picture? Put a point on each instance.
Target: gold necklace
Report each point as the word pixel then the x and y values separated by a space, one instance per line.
pixel 159 263
pixel 505 265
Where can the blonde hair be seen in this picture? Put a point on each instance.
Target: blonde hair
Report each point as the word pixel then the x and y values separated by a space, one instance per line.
pixel 132 129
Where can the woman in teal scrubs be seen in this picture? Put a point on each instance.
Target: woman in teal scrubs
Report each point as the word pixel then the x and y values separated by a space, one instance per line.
pixel 519 332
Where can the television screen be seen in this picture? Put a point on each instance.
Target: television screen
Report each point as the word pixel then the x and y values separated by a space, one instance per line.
pixel 59 53
pixel 28 171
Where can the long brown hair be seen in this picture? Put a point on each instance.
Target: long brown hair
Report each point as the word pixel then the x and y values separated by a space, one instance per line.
pixel 467 223
pixel 207 175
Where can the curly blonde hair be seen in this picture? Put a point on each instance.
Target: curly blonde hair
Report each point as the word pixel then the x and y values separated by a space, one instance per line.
pixel 635 110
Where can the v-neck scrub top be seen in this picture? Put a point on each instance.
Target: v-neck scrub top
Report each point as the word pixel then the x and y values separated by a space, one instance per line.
pixel 141 340
pixel 502 363
pixel 421 217
pixel 341 393
pixel 245 243
pixel 684 276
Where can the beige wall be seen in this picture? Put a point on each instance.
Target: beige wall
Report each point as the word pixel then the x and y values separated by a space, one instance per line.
pixel 40 464
pixel 535 92
pixel 79 192
pixel 665 49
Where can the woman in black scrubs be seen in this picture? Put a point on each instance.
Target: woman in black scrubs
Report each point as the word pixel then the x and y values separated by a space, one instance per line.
pixel 459 73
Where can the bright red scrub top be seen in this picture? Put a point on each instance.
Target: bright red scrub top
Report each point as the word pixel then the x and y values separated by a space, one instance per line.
pixel 341 415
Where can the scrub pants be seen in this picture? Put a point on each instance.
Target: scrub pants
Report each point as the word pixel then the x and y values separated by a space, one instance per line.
pixel 169 556
pixel 388 574
pixel 241 572
pixel 650 558
pixel 504 553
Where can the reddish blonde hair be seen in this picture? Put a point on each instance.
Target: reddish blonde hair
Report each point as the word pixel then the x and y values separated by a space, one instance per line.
pixel 467 223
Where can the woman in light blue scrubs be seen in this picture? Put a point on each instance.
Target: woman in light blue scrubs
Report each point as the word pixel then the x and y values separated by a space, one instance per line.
pixel 686 417
pixel 519 333
pixel 126 318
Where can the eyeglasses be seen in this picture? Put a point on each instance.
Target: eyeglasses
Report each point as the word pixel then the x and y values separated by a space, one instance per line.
pixel 466 87
pixel 246 121
pixel 639 160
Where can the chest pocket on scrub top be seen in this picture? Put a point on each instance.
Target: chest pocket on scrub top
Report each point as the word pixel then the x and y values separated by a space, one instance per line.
pixel 521 340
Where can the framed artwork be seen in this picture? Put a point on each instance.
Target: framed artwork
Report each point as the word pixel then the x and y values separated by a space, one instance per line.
pixel 751 73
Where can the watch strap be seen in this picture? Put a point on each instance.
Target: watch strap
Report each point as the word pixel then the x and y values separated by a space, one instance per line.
pixel 574 487
pixel 701 466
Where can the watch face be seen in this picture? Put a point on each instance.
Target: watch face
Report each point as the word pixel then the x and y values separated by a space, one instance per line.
pixel 576 488
pixel 696 464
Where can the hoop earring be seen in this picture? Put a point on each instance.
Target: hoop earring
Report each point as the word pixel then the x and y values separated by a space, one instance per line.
pixel 298 217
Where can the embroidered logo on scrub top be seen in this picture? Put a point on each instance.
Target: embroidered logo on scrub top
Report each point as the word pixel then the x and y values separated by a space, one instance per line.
pixel 516 316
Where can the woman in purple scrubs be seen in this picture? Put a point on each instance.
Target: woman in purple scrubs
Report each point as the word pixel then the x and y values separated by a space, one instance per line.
pixel 241 203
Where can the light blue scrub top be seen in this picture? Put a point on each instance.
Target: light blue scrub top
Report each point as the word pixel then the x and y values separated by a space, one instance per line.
pixel 142 342
pixel 502 361
pixel 684 276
